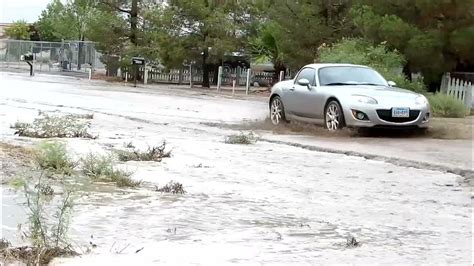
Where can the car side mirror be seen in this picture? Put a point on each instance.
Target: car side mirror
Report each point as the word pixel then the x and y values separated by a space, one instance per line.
pixel 303 82
pixel 392 84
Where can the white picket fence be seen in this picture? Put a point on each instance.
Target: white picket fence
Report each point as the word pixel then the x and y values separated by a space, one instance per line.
pixel 459 89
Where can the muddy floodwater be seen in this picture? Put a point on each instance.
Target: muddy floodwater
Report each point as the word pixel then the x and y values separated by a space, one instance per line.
pixel 267 203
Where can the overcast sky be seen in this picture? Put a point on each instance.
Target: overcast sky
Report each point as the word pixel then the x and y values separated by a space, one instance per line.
pixel 29 10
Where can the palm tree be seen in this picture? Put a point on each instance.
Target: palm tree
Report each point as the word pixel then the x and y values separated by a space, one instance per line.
pixel 266 47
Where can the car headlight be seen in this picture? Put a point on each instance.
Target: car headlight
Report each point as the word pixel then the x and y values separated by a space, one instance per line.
pixel 364 99
pixel 421 100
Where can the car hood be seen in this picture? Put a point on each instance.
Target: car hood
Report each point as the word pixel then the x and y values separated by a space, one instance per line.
pixel 385 95
pixel 379 91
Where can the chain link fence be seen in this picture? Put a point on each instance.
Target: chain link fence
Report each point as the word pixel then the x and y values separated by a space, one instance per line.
pixel 67 56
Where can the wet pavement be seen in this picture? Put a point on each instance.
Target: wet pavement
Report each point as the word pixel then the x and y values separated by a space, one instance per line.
pixel 268 203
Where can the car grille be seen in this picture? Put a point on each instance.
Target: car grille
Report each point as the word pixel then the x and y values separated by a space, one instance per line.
pixel 386 115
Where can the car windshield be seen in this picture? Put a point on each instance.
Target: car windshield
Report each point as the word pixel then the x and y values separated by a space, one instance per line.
pixel 350 75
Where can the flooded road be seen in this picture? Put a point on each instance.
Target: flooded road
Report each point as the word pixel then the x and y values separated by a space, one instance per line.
pixel 267 203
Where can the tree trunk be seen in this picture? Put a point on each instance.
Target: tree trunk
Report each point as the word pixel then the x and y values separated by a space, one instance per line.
pixel 407 71
pixel 134 22
pixel 216 74
pixel 79 52
pixel 205 69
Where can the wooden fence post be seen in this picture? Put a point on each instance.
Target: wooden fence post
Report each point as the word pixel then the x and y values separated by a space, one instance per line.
pixel 145 75
pixel 191 76
pixel 219 78
pixel 468 98
pixel 247 84
pixel 234 82
pixel 445 82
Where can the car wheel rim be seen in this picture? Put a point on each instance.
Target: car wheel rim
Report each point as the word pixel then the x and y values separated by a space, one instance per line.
pixel 276 111
pixel 333 115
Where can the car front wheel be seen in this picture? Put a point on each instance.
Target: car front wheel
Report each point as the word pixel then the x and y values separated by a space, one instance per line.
pixel 334 117
pixel 277 111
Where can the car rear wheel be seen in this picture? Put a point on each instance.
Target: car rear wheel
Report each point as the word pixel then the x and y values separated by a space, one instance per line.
pixel 277 111
pixel 334 117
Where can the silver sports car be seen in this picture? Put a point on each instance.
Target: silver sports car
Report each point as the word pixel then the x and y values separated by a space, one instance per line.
pixel 339 95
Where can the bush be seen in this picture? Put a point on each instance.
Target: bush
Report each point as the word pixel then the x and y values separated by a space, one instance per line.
pixel 100 168
pixel 46 231
pixel 155 153
pixel 415 85
pixel 53 156
pixel 242 138
pixel 55 126
pixel 361 52
pixel 443 105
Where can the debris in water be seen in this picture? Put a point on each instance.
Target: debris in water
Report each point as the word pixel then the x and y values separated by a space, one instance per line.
pixel 242 138
pixel 172 187
pixel 352 242
pixel 279 237
pixel 152 154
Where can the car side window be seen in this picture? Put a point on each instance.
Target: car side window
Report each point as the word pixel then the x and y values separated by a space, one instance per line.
pixel 309 74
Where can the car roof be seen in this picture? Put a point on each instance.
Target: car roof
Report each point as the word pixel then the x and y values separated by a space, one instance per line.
pixel 320 65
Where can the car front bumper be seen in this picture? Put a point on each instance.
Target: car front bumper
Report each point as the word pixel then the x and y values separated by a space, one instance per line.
pixel 380 116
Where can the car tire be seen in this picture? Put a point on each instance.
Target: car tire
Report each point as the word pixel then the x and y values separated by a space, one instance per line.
pixel 277 111
pixel 333 116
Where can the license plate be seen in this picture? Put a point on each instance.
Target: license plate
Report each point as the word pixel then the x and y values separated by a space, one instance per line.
pixel 400 112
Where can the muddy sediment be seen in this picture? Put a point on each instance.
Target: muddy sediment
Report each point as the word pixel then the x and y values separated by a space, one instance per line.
pixel 441 128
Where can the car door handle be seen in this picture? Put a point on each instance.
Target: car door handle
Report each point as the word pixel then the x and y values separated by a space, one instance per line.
pixel 292 89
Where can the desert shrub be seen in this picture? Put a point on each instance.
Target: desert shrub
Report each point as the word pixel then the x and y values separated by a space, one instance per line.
pixel 55 126
pixel 242 138
pixel 101 168
pixel 52 156
pixel 172 187
pixel 154 153
pixel 443 105
pixel 379 57
pixel 96 166
pixel 47 232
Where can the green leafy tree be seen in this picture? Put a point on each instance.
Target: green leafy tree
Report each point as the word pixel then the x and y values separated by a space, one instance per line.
pixel 361 52
pixel 19 30
pixel 119 27
pixel 68 21
pixel 434 35
pixel 304 25
pixel 266 46
pixel 56 24
pixel 203 31
pixel 132 10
